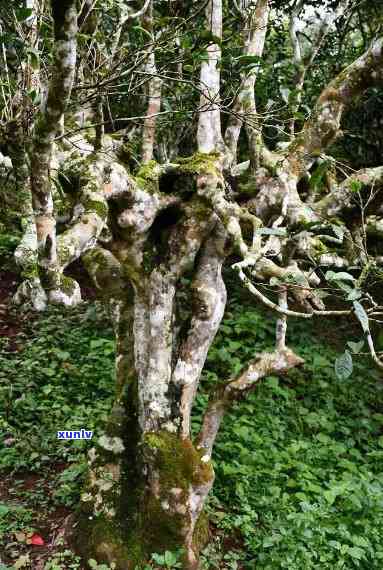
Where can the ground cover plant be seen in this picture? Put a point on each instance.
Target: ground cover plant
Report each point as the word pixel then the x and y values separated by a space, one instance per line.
pixel 299 481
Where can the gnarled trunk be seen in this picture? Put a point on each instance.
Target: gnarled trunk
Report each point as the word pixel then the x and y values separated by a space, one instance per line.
pixel 148 482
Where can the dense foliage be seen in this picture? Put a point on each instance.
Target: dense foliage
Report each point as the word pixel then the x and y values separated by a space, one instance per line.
pixel 298 465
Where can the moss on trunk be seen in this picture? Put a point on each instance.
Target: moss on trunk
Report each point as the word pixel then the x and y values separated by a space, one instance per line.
pixel 141 503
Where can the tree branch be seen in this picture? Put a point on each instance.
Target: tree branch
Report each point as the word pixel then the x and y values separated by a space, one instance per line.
pixel 209 136
pixel 209 300
pixel 323 127
pixel 254 33
pixel 265 364
pixel 342 196
pixel 154 94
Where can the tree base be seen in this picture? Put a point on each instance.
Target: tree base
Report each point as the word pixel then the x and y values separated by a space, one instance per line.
pixel 105 542
pixel 159 511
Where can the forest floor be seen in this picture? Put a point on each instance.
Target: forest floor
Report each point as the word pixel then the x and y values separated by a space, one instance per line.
pixel 299 476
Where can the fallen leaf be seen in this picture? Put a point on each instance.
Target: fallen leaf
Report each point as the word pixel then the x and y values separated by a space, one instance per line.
pixel 37 540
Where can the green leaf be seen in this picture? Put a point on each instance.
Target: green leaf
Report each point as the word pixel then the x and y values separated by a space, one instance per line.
pixel 158 559
pixel 4 510
pixel 34 58
pixel 341 276
pixel 140 29
pixel 356 347
pixel 356 552
pixel 97 343
pixel 330 496
pixel 361 316
pixel 344 366
pixel 338 231
pixel 285 93
pixel 210 38
pixel 272 232
pixel 354 295
pixel 62 354
pixel 249 59
pixel 317 176
pixel 48 371
pixel 273 382
pixel 170 558
pixel 23 14
pixel 355 185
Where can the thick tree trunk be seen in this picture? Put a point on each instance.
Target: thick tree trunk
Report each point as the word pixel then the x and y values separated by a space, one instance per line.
pixel 147 482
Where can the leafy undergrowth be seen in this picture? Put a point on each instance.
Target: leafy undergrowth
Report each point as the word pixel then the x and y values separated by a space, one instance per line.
pixel 299 480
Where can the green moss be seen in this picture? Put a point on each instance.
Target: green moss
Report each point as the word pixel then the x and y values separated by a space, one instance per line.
pixel 31 272
pixel 201 532
pixel 143 524
pixel 96 206
pixel 67 285
pixel 105 541
pixel 201 208
pixel 199 163
pixel 147 176
pixel 177 461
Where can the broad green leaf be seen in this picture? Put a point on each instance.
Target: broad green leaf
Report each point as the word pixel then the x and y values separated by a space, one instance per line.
pixel 330 496
pixel 4 510
pixel 210 38
pixel 355 185
pixel 285 93
pixel 96 343
pixel 338 231
pixel 249 59
pixel 356 552
pixel 170 558
pixel 361 316
pixel 317 176
pixel 272 232
pixel 344 366
pixel 354 295
pixel 273 382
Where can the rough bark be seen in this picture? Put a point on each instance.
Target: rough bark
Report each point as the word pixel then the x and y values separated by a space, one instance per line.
pixel 65 29
pixel 154 94
pixel 209 136
pixel 323 127
pixel 255 21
